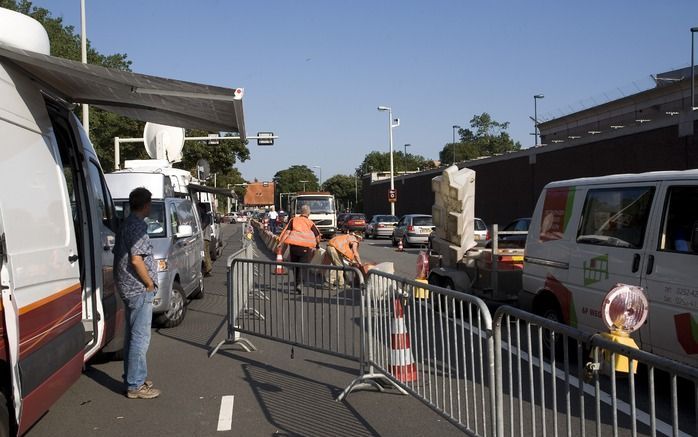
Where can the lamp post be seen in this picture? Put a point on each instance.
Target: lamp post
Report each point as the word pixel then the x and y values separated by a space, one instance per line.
pixel 693 73
pixel 455 127
pixel 535 115
pixel 405 158
pixel 303 182
pixel 390 138
pixel 319 176
pixel 83 46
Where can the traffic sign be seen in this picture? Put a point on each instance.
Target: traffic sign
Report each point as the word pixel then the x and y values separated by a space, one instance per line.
pixel 392 195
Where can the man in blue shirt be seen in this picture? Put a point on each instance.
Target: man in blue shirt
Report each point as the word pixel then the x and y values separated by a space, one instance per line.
pixel 135 273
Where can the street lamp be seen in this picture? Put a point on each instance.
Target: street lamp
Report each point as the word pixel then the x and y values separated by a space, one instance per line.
pixel 455 127
pixel 319 174
pixel 405 159
pixel 693 73
pixel 391 126
pixel 303 182
pixel 535 115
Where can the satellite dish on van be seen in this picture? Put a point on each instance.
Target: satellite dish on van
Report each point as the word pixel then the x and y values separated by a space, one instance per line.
pixel 163 142
pixel 203 170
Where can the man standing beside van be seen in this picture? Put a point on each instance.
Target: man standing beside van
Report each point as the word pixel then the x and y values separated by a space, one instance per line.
pixel 303 237
pixel 136 278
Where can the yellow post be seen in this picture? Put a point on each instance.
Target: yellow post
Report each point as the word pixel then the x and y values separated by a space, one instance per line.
pixel 622 363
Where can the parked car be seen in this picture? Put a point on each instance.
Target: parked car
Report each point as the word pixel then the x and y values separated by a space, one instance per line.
pixel 381 226
pixel 513 241
pixel 482 234
pixel 413 229
pixel 354 223
pixel 177 238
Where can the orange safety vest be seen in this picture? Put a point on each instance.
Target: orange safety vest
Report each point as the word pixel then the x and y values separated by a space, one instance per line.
pixel 342 244
pixel 302 233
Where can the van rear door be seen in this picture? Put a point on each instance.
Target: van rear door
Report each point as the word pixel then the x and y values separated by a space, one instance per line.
pixel 670 276
pixel 611 242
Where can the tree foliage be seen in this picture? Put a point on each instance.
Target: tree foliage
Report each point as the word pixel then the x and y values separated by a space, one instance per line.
pixel 289 180
pixel 485 137
pixel 344 189
pixel 104 126
pixel 380 161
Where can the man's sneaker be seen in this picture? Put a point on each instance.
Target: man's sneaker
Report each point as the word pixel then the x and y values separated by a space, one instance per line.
pixel 143 392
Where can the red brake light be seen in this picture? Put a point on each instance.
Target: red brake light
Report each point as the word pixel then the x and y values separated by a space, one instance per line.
pixel 487 236
pixel 410 228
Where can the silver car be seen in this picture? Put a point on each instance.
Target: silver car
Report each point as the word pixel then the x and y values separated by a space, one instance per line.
pixel 381 226
pixel 413 229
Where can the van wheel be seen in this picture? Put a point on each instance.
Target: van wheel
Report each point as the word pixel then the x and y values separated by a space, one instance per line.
pixel 177 310
pixel 199 293
pixel 550 309
pixel 6 428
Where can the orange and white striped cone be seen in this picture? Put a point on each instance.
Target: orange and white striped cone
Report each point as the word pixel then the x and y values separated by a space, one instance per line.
pixel 279 269
pixel 400 247
pixel 402 365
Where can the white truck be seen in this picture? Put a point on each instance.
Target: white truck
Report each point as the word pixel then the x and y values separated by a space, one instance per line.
pixel 322 210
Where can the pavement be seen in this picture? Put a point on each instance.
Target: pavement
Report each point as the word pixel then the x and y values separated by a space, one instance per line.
pixel 277 390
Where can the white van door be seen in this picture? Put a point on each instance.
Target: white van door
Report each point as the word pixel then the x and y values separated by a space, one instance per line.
pixel 610 246
pixel 671 275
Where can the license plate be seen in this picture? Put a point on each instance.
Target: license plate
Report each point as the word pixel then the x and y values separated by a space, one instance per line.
pixel 425 231
pixel 478 237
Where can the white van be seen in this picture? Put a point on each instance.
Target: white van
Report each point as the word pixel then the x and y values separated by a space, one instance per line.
pixel 587 235
pixel 178 242
pixel 57 219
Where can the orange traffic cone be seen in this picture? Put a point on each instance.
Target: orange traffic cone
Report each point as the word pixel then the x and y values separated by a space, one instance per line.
pixel 279 269
pixel 400 248
pixel 402 365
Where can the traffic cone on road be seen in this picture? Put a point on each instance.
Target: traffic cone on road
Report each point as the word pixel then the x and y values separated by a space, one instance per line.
pixel 279 269
pixel 402 365
pixel 400 247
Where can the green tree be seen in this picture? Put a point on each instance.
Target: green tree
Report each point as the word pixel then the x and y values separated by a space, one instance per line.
pixel 221 157
pixel 289 180
pixel 486 137
pixel 345 190
pixel 380 161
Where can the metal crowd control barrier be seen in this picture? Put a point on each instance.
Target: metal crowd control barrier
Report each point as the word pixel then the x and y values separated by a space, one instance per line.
pixel 433 343
pixel 263 301
pixel 553 379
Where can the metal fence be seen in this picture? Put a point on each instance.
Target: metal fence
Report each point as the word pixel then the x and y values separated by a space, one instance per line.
pixel 511 374
pixel 317 307
pixel 433 343
pixel 552 379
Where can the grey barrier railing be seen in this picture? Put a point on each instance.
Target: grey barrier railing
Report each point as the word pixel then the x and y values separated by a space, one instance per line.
pixel 552 379
pixel 510 374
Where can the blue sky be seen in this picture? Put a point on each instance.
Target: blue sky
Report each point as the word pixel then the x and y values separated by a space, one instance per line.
pixel 315 71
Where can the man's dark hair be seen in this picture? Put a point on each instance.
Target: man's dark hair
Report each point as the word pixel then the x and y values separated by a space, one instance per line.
pixel 139 198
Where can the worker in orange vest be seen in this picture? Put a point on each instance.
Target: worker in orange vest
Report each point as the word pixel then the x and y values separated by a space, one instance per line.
pixel 302 237
pixel 344 246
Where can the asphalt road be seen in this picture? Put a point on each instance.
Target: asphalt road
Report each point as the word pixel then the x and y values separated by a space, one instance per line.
pixel 276 390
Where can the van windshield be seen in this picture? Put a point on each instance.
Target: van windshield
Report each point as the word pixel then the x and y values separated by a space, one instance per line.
pixel 155 221
pixel 318 205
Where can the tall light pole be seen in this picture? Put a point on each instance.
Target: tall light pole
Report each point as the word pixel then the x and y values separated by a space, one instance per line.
pixel 405 158
pixel 319 175
pixel 693 73
pixel 391 125
pixel 535 115
pixel 455 128
pixel 83 43
pixel 303 182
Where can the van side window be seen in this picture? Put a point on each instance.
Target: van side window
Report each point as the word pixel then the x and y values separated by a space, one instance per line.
pixel 616 217
pixel 185 215
pixel 102 198
pixel 174 221
pixel 680 222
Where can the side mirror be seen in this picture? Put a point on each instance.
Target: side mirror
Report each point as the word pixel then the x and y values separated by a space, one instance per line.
pixel 184 231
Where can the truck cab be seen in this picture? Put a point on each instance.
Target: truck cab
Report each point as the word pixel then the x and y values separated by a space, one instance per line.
pixel 322 210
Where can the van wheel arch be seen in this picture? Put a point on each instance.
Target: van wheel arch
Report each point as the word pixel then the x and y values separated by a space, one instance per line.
pixel 545 304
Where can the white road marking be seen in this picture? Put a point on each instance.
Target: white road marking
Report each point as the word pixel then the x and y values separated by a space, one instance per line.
pixel 225 416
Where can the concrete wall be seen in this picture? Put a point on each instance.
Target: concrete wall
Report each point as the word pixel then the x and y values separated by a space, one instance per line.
pixel 508 187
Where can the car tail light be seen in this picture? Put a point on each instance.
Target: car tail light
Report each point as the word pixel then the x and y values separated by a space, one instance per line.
pixel 380 225
pixel 487 236
pixel 410 228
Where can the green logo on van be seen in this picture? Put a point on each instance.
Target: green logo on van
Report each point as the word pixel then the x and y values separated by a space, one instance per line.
pixel 596 270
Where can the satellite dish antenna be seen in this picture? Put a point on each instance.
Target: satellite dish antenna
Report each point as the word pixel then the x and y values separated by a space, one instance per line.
pixel 163 142
pixel 203 170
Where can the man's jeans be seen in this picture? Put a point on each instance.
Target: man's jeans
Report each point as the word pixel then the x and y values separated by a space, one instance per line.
pixel 139 315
